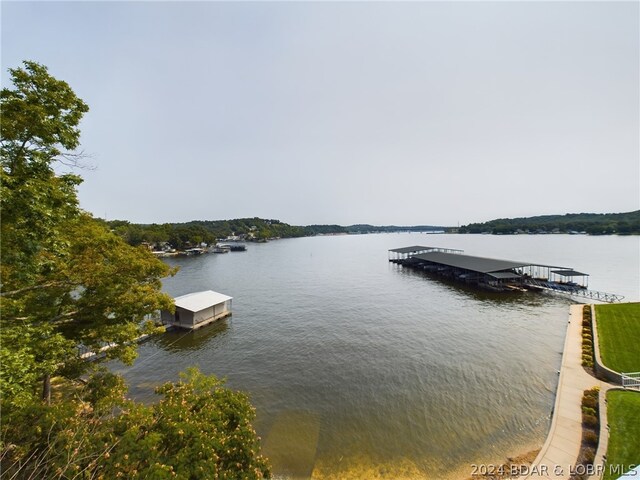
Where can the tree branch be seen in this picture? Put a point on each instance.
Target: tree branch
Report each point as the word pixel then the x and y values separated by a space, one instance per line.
pixel 75 160
pixel 34 287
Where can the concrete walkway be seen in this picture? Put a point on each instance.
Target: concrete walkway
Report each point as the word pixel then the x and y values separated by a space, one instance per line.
pixel 560 451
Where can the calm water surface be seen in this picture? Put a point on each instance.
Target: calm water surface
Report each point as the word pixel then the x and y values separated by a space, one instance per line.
pixel 360 369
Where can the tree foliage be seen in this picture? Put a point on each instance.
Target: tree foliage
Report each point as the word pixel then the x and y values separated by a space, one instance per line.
pixel 183 235
pixel 591 223
pixel 68 281
pixel 198 430
pixel 189 234
pixel 40 118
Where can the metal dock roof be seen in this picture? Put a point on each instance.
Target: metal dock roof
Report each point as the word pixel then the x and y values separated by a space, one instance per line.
pixel 569 273
pixel 195 302
pixel 474 264
pixel 422 248
pixel 415 248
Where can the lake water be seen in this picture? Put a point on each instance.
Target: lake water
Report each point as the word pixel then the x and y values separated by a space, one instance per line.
pixel 362 370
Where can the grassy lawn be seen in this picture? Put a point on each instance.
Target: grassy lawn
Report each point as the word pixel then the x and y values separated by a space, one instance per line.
pixel 619 336
pixel 623 413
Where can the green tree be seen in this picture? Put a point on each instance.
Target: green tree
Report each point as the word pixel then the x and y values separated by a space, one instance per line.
pixel 69 281
pixel 198 430
pixel 39 126
pixel 96 291
pixel 66 280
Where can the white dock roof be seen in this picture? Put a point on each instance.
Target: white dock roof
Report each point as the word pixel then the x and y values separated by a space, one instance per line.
pixel 197 301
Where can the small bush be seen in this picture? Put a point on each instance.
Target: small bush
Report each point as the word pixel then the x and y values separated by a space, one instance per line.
pixel 593 393
pixel 591 402
pixel 588 411
pixel 590 438
pixel 589 455
pixel 590 420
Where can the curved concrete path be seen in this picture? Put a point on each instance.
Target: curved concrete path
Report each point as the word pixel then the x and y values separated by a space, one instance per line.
pixel 560 451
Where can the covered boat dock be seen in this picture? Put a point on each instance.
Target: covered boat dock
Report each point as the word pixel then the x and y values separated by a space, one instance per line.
pixel 397 254
pixel 489 273
pixel 198 309
pixel 496 274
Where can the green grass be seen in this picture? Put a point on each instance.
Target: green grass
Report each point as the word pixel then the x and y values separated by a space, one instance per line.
pixel 623 414
pixel 619 336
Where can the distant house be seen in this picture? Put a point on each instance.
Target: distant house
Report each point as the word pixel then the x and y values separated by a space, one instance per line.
pixel 198 309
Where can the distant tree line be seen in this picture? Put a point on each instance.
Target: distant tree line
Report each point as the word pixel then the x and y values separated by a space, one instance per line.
pixel 184 235
pixel 189 234
pixel 591 223
pixel 365 228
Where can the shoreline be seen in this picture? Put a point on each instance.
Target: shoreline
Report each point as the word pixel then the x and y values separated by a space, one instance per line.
pixel 561 450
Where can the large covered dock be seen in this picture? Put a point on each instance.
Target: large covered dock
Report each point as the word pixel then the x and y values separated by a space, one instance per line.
pixel 488 273
pixel 398 254
pixel 498 275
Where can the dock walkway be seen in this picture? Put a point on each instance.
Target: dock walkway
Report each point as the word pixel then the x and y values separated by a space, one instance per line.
pixel 560 451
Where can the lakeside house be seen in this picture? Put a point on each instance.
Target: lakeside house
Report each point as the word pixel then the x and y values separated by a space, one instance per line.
pixel 197 309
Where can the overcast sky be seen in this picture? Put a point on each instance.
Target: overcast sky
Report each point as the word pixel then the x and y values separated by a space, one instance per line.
pixel 364 112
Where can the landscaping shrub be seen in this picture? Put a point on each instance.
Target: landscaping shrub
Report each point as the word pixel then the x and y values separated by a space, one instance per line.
pixel 590 438
pixel 587 338
pixel 589 455
pixel 590 420
pixel 590 433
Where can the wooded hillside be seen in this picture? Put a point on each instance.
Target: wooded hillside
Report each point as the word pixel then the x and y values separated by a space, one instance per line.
pixel 591 223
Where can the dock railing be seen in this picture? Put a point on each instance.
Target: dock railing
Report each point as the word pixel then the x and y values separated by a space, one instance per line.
pixel 575 291
pixel 631 380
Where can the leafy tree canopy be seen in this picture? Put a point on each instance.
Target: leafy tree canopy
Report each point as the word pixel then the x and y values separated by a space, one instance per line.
pixel 69 281
pixel 198 430
pixel 66 280
pixel 40 118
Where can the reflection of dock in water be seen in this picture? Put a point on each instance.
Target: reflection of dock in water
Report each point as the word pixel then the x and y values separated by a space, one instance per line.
pixel 291 444
pixel 177 339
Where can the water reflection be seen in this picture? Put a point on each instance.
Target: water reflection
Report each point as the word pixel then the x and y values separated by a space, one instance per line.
pixel 180 340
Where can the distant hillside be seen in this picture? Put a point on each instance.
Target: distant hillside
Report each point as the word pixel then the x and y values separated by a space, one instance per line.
pixel 591 223
pixel 364 228
pixel 188 234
